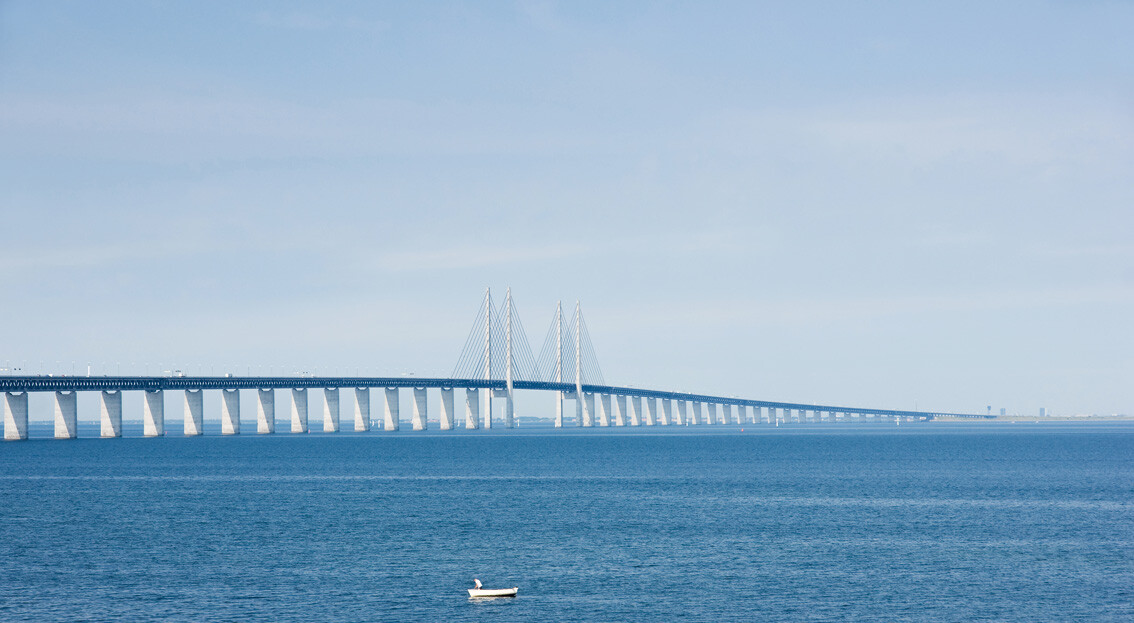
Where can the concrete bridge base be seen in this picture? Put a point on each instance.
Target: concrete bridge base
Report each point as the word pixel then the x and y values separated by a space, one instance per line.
pixel 153 413
pixel 15 416
pixel 299 411
pixel 393 414
pixel 194 412
pixel 420 408
pixel 66 415
pixel 472 409
pixel 265 411
pixel 330 409
pixel 230 411
pixel 110 414
pixel 361 409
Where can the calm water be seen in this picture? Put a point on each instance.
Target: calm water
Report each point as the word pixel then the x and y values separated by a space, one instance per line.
pixel 929 523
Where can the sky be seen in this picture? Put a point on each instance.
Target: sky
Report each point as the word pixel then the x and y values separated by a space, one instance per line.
pixel 902 205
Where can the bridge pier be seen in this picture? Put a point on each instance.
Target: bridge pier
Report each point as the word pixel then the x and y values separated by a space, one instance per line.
pixel 651 410
pixel 472 409
pixel 620 410
pixel 298 410
pixel 393 415
pixel 604 410
pixel 509 409
pixel 446 408
pixel 635 407
pixel 15 416
pixel 361 409
pixel 682 415
pixel 773 415
pixel 420 408
pixel 230 412
pixel 266 411
pixel 66 415
pixel 588 409
pixel 153 413
pixel 194 419
pixel 330 409
pixel 694 413
pixel 110 414
pixel 558 409
pixel 666 411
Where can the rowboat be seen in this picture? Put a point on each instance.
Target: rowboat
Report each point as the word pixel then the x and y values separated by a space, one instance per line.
pixel 480 591
pixel 493 592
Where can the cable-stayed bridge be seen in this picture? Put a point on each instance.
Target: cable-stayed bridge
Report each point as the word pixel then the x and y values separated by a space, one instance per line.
pixel 496 361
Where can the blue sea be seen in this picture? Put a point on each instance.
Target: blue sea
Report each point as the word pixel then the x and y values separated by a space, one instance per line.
pixel 927 522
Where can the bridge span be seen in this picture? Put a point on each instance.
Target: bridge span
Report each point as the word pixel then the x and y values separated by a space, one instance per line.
pixel 495 362
pixel 601 405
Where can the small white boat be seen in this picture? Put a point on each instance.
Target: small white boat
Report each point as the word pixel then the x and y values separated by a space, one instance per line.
pixel 480 591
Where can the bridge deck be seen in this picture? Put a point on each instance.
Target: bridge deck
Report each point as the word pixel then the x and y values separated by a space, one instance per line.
pixel 155 383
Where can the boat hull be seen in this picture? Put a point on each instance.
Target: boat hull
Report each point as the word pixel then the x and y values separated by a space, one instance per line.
pixel 495 592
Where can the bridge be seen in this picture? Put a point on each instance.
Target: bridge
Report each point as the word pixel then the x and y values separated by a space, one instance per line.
pixel 495 362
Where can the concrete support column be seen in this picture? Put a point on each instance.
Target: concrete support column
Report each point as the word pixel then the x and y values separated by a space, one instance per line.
pixel 66 415
pixel 651 411
pixel 153 413
pixel 194 417
pixel 579 408
pixel 472 409
pixel 604 410
pixel 393 410
pixel 666 412
pixel 111 414
pixel 712 414
pixel 266 411
pixel 620 410
pixel 230 412
pixel 742 414
pixel 773 415
pixel 330 409
pixel 361 409
pixel 558 409
pixel 588 409
pixel 509 410
pixel 694 413
pixel 487 415
pixel 420 408
pixel 15 416
pixel 635 410
pixel 447 408
pixel 298 410
pixel 682 413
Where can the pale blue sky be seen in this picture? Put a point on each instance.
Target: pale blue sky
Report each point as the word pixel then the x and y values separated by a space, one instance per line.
pixel 891 204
